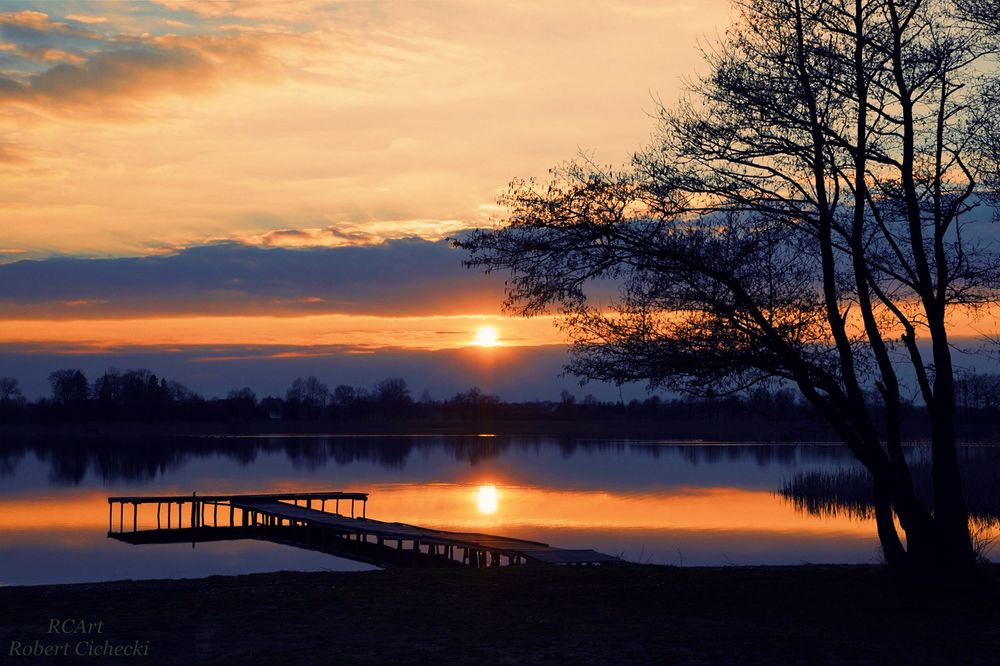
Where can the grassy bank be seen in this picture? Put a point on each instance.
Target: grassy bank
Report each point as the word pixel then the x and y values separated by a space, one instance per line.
pixel 627 614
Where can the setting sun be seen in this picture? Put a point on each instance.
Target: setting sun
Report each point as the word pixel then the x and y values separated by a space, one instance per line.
pixel 487 336
pixel 486 500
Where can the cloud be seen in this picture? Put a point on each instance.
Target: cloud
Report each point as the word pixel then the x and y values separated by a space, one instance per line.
pixel 110 75
pixel 363 232
pixel 261 9
pixel 328 237
pixel 35 24
pixel 58 65
pixel 89 20
pixel 406 277
pixel 31 32
pixel 12 154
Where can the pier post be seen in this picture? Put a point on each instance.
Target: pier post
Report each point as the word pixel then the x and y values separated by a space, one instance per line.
pixel 215 517
pixel 157 515
pixel 169 504
pixel 121 516
pixel 135 516
pixel 110 509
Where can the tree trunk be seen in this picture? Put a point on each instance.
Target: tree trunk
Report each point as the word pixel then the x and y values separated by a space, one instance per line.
pixel 892 548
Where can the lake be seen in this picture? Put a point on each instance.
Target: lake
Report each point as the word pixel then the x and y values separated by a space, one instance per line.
pixel 652 501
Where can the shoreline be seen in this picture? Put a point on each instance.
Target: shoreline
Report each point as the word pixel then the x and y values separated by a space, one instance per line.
pixel 626 613
pixel 582 430
pixel 790 431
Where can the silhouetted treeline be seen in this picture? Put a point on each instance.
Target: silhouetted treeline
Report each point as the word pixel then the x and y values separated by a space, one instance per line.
pixel 142 396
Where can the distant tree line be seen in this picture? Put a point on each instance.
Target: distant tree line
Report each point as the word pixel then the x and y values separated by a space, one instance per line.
pixel 140 395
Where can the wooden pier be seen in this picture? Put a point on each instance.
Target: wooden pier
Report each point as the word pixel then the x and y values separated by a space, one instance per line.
pixel 315 521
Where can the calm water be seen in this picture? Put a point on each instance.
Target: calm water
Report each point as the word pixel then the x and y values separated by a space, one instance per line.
pixel 647 501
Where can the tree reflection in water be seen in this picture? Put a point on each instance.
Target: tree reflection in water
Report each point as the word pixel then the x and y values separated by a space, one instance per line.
pixel 145 459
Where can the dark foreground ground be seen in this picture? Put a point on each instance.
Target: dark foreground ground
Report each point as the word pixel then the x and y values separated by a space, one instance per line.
pixel 626 614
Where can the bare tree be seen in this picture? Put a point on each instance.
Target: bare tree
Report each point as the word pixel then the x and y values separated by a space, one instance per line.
pixel 393 392
pixel 310 393
pixel 802 216
pixel 984 14
pixel 69 387
pixel 10 389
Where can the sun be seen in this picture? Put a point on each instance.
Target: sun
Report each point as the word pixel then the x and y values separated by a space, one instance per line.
pixel 487 336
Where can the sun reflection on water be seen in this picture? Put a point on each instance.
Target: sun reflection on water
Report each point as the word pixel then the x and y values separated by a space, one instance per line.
pixel 486 499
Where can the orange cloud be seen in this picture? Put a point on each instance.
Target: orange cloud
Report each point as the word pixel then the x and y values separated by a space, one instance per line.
pixel 261 9
pixel 81 18
pixel 354 233
pixel 38 21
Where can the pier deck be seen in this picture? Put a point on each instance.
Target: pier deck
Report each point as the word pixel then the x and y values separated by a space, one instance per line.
pixel 280 518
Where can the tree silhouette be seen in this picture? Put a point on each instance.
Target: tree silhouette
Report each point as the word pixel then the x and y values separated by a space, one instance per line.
pixel 344 395
pixel 804 216
pixel 393 392
pixel 307 397
pixel 10 389
pixel 69 387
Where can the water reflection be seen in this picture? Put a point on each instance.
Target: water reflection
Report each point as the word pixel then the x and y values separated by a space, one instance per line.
pixel 650 501
pixel 147 459
pixel 848 490
pixel 486 499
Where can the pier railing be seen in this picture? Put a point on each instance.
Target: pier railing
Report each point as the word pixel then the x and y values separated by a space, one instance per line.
pixel 194 507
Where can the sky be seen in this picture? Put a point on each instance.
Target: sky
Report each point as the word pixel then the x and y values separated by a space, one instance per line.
pixel 241 192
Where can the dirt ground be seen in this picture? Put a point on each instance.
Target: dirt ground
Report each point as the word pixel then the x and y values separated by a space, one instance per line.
pixel 586 615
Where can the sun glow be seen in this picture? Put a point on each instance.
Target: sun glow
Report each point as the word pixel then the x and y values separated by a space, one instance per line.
pixel 486 499
pixel 487 336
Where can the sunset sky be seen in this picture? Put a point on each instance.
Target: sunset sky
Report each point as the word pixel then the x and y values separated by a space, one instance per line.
pixel 239 193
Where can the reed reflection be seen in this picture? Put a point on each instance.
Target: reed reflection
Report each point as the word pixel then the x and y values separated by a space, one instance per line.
pixel 849 489
pixel 840 492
